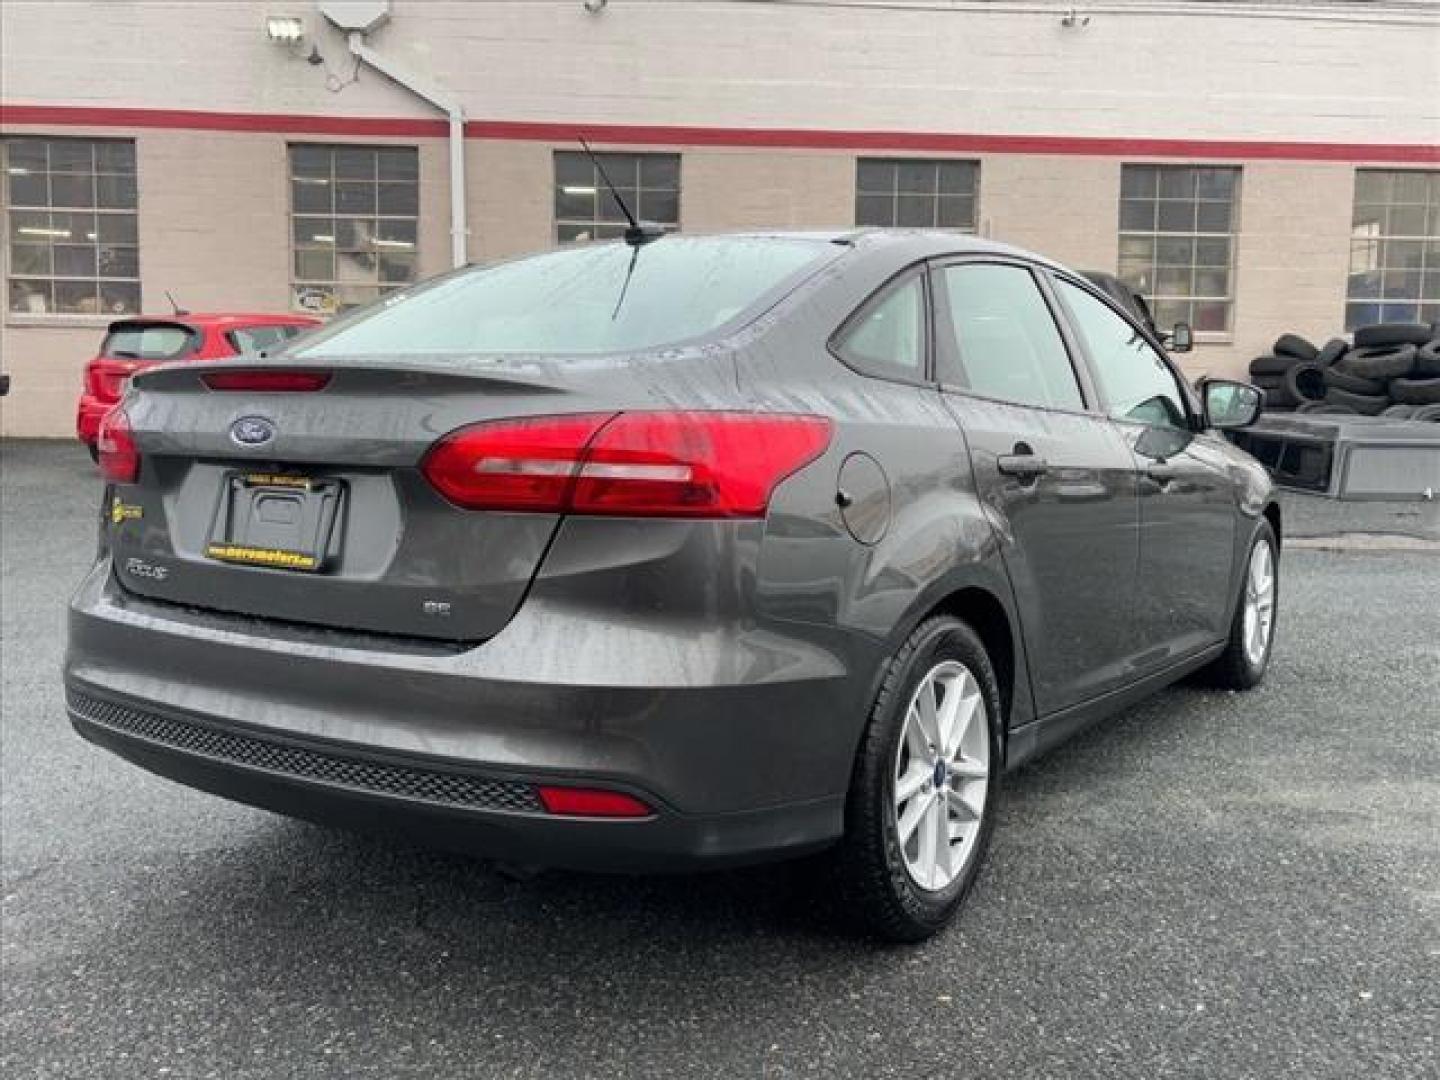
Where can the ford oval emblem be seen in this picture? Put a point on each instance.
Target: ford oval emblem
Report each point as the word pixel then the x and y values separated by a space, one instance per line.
pixel 252 431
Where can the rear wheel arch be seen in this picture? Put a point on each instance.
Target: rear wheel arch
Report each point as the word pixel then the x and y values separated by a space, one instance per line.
pixel 983 612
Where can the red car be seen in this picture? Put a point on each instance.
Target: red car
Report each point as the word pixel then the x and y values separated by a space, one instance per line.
pixel 142 341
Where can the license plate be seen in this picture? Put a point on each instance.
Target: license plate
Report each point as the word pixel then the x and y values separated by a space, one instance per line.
pixel 276 520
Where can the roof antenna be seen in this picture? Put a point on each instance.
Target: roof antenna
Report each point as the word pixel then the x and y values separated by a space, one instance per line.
pixel 180 312
pixel 637 234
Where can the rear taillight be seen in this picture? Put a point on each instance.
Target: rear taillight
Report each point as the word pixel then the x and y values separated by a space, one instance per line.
pixel 118 456
pixel 290 382
pixel 591 802
pixel 107 379
pixel 640 464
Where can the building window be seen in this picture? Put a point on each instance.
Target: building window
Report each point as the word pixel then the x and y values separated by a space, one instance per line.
pixel 1177 242
pixel 354 213
pixel 584 207
pixel 70 205
pixel 1394 248
pixel 916 193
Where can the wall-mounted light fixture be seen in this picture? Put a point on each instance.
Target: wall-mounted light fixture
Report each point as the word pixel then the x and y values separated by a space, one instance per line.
pixel 284 29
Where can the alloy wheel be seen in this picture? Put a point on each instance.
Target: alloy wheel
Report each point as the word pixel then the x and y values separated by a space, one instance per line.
pixel 942 775
pixel 1259 603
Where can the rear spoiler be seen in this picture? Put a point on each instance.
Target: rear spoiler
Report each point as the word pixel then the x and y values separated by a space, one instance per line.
pixel 141 323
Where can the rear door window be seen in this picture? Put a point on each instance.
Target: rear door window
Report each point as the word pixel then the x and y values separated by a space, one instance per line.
pixel 1007 345
pixel 142 342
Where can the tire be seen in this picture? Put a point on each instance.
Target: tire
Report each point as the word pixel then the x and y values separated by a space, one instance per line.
pixel 1332 350
pixel 1400 412
pixel 1380 361
pixel 874 876
pixel 1295 346
pixel 1306 382
pixel 1272 366
pixel 94 451
pixel 1364 404
pixel 1430 413
pixel 1427 361
pixel 1337 378
pixel 1392 333
pixel 1415 391
pixel 1246 658
pixel 1268 382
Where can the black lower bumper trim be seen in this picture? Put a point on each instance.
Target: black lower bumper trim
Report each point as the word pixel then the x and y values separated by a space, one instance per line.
pixel 427 785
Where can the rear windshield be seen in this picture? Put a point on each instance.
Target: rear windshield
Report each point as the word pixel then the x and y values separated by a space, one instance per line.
pixel 147 342
pixel 578 300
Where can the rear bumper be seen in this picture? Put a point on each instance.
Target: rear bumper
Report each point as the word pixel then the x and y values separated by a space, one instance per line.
pixel 434 802
pixel 743 763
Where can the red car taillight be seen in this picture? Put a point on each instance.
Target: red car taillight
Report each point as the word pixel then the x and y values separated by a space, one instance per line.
pixel 267 381
pixel 118 456
pixel 106 379
pixel 640 464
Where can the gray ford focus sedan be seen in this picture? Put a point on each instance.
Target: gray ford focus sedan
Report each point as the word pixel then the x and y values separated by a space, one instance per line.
pixel 674 553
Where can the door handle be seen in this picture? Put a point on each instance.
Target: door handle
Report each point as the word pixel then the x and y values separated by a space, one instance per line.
pixel 1025 466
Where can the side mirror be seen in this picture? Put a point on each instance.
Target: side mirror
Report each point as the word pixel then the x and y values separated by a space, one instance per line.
pixel 1182 338
pixel 1229 404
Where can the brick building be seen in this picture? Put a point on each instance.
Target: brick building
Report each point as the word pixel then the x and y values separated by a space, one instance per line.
pixel 1253 167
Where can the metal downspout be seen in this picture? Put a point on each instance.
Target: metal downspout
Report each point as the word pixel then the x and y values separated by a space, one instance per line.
pixel 450 106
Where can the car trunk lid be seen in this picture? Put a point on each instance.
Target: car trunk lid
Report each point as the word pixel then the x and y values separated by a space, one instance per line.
pixel 310 505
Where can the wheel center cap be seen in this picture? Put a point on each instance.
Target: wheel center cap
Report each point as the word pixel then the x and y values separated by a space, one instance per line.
pixel 942 772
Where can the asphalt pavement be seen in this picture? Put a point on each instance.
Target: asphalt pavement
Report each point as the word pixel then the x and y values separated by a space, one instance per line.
pixel 1209 885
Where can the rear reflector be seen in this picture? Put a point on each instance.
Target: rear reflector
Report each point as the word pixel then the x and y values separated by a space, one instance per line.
pixel 119 459
pixel 591 802
pixel 267 381
pixel 640 464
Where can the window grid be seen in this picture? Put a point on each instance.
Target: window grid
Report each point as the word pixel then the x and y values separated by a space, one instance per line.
pixel 586 210
pixel 354 213
pixel 1177 241
pixel 922 193
pixel 71 214
pixel 1394 248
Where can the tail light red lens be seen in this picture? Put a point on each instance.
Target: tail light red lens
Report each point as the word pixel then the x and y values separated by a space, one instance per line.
pixel 106 379
pixel 513 464
pixel 119 458
pixel 285 382
pixel 591 802
pixel 640 464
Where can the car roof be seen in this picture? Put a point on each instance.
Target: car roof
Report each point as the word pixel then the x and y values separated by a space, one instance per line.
pixel 908 243
pixel 919 243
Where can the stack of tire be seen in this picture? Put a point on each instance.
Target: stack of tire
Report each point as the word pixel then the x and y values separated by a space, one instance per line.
pixel 1392 369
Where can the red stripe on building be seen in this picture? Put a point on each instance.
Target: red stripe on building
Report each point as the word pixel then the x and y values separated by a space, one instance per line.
pixel 681 136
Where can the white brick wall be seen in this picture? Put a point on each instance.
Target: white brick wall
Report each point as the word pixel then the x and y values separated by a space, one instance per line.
pixel 726 64
pixel 213 205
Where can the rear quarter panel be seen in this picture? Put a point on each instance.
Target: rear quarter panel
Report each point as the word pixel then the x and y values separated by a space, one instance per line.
pixel 865 598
